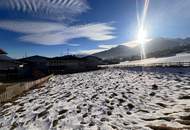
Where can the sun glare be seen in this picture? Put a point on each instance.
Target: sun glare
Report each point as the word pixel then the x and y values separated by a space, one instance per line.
pixel 142 36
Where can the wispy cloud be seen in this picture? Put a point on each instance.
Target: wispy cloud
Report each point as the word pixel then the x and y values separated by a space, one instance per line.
pixel 57 32
pixel 48 33
pixel 131 44
pixel 51 9
pixel 134 43
pixel 107 46
pixel 90 52
pixel 29 27
pixel 99 49
pixel 74 45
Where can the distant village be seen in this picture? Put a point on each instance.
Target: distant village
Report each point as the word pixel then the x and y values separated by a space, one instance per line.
pixel 35 67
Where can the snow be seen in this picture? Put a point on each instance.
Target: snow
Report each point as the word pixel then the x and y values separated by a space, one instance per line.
pixel 101 100
pixel 183 57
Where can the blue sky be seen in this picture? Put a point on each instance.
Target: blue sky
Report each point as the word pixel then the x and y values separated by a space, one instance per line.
pixel 51 27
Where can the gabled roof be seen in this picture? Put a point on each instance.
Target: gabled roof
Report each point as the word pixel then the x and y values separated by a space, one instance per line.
pixel 2 51
pixel 5 58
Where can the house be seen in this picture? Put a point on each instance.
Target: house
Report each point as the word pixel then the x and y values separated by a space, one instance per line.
pixel 35 66
pixel 38 66
pixel 9 68
pixel 92 62
pixel 65 64
pixel 72 64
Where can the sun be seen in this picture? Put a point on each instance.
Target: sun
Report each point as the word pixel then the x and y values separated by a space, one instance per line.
pixel 142 36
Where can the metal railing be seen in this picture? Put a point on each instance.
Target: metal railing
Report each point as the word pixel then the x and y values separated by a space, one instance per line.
pixel 166 64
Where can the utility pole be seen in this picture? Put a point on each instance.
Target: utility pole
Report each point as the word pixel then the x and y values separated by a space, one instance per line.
pixel 25 54
pixel 67 51
pixel 61 54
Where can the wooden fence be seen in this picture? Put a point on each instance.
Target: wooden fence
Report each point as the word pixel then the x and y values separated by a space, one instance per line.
pixel 19 88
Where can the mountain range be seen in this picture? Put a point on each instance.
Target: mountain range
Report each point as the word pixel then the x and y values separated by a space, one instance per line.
pixel 158 47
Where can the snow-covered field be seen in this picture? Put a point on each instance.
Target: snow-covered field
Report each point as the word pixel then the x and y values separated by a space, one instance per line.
pixel 179 58
pixel 110 99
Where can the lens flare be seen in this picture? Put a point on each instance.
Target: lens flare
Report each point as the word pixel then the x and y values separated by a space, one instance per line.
pixel 142 40
pixel 142 34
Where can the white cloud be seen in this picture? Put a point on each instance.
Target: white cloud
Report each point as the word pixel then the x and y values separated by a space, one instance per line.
pixel 99 49
pixel 107 46
pixel 130 44
pixel 74 45
pixel 30 26
pixel 90 52
pixel 51 9
pixel 134 43
pixel 98 32
pixel 50 33
pixel 53 33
